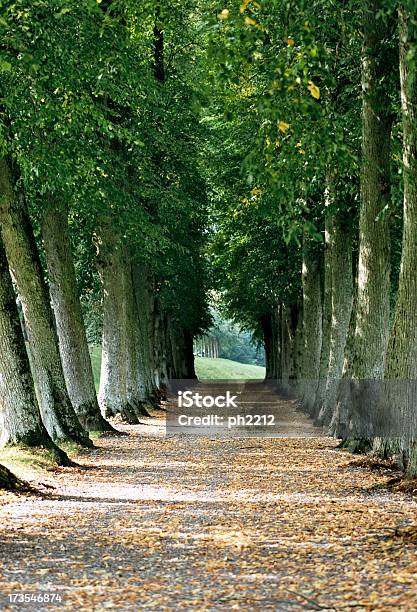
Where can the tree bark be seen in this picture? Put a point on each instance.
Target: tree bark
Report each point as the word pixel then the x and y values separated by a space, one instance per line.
pixel 136 387
pixel 72 338
pixel 292 316
pixel 340 240
pixel 144 297
pixel 176 362
pixel 341 412
pixel 269 345
pixel 159 355
pixel 312 323
pixel 401 360
pixel 189 354
pixel 113 396
pixel 298 347
pixel 20 419
pixel 288 324
pixel 57 411
pixel 372 313
pixel 327 306
pixel 373 282
pixel 10 482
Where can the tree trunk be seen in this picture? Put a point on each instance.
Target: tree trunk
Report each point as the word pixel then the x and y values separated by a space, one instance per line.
pixel 287 346
pixel 372 314
pixel 159 356
pixel 341 308
pixel 20 419
pixel 341 412
pixel 136 387
pixel 269 346
pixel 327 307
pixel 373 283
pixel 177 368
pixel 293 316
pixel 189 354
pixel 144 296
pixel 57 411
pixel 113 397
pixel 297 313
pixel 312 323
pixel 10 482
pixel 72 338
pixel 401 361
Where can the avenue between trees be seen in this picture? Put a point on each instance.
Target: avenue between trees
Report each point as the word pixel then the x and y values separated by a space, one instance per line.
pixel 155 155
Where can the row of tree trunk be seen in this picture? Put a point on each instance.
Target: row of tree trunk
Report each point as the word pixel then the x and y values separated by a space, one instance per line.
pixel 47 387
pixel 207 346
pixel 353 369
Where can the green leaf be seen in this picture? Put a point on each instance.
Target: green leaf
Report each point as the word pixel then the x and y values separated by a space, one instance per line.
pixel 62 12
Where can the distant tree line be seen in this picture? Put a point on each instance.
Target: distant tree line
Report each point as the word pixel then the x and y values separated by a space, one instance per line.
pixel 226 340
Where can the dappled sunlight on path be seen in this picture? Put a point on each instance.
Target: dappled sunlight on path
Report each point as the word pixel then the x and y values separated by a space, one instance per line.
pixel 193 523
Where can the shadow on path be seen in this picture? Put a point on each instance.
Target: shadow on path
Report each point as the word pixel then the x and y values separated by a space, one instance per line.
pixel 194 523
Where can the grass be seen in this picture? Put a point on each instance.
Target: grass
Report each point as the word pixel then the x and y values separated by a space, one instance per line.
pixel 226 369
pixel 95 354
pixel 206 368
pixel 27 463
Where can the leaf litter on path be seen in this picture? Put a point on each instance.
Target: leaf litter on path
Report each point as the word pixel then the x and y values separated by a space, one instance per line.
pixel 168 523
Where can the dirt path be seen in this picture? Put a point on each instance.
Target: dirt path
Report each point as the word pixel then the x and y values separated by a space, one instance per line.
pixel 156 523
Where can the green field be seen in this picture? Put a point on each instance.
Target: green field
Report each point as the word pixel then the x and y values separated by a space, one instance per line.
pixel 95 353
pixel 225 369
pixel 206 368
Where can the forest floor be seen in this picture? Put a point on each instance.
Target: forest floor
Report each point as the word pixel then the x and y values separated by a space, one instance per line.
pixel 150 522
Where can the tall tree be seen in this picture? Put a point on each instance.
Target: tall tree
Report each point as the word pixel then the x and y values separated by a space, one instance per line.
pixel 340 237
pixel 72 338
pixel 373 275
pixel 113 393
pixel 20 419
pixel 401 359
pixel 312 322
pixel 372 310
pixel 57 411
